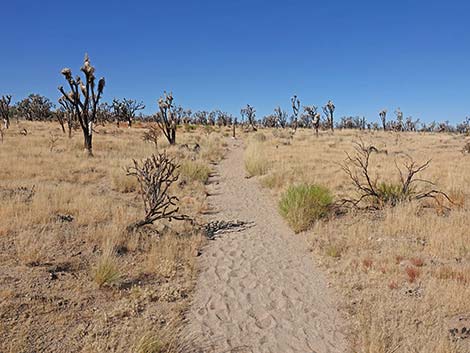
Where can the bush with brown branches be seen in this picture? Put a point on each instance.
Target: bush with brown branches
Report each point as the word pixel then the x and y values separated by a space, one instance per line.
pixel 375 194
pixel 152 134
pixel 156 175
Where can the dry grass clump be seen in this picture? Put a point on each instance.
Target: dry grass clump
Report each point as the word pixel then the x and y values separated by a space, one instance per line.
pixel 401 269
pixel 302 205
pixel 106 271
pixel 149 343
pixel 194 171
pixel 256 163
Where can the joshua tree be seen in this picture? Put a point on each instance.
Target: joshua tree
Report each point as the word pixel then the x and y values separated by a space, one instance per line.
pixel 295 109
pixel 68 112
pixel 5 110
pixel 383 116
pixel 166 117
pixel 125 109
pixel 35 107
pixel 329 109
pixel 84 99
pixel 399 122
pixel 249 113
pixel 281 117
pixel 310 112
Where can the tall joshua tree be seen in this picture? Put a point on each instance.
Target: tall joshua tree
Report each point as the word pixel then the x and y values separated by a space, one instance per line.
pixel 295 108
pixel 310 112
pixel 84 98
pixel 249 113
pixel 329 109
pixel 383 116
pixel 5 110
pixel 166 117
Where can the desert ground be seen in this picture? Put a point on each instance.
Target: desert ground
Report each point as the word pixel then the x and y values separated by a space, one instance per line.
pixel 386 277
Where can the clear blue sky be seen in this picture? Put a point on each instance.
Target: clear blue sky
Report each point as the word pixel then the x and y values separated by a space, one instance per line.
pixel 365 55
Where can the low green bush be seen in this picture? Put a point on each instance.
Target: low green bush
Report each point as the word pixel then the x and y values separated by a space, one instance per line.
pixel 302 205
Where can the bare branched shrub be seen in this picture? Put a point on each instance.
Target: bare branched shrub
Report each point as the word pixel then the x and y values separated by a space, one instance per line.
pixel 5 110
pixel 376 194
pixel 84 98
pixel 155 175
pixel 152 135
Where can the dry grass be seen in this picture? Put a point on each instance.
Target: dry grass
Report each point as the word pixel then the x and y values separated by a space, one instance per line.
pixel 256 162
pixel 68 237
pixel 404 271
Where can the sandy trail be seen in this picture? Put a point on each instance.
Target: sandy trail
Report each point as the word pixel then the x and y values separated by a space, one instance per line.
pixel 259 290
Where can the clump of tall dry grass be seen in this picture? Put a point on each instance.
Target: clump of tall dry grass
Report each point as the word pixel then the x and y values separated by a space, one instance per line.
pixel 256 162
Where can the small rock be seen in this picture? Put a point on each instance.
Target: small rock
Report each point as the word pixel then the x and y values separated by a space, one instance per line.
pixel 459 327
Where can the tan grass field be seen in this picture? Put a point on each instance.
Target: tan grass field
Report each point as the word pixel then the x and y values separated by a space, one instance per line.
pixel 71 278
pixel 402 272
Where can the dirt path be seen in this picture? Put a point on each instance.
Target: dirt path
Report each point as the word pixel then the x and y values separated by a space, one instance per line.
pixel 259 289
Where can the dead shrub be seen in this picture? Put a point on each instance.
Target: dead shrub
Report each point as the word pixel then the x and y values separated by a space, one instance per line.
pixel 155 176
pixel 376 194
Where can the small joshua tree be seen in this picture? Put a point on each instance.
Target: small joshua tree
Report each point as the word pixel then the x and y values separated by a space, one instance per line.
pixel 329 109
pixel 155 176
pixel 295 109
pixel 126 109
pixel 84 98
pixel 398 126
pixel 166 117
pixel 383 118
pixel 5 110
pixel 249 113
pixel 310 112
pixel 69 114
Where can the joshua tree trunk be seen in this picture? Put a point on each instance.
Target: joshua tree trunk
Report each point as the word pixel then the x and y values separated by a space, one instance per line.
pixel 88 142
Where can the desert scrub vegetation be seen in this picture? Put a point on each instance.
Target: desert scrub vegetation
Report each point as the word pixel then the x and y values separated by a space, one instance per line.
pixel 59 217
pixel 256 163
pixel 401 268
pixel 106 270
pixel 195 171
pixel 302 205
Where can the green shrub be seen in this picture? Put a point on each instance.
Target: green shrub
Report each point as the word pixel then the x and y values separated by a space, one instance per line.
pixel 392 193
pixel 193 170
pixel 301 205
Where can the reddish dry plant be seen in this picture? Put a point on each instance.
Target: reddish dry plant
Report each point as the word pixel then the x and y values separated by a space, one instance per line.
pixel 367 263
pixel 446 273
pixel 416 261
pixel 412 274
pixel 393 285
